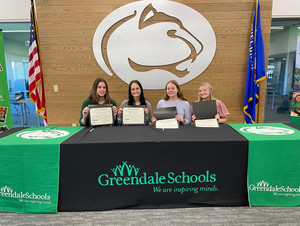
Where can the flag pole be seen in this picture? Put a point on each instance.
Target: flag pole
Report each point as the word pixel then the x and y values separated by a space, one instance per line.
pixel 255 30
pixel 255 69
pixel 36 84
pixel 40 59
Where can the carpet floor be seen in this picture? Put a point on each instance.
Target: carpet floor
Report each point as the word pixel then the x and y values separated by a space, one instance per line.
pixel 182 216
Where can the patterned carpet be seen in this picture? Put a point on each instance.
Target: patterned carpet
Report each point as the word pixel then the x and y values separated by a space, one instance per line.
pixel 188 216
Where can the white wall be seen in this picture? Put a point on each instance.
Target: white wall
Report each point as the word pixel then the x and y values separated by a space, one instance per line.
pixel 15 11
pixel 286 9
pixel 283 41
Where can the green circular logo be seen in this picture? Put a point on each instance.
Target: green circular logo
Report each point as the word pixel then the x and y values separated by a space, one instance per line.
pixel 267 130
pixel 43 134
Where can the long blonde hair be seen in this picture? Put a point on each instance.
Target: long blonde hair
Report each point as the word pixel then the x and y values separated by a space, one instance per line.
pixel 207 85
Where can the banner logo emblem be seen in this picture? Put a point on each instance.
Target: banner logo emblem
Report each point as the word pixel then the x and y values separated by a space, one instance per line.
pixel 127 174
pixel 43 134
pixel 125 169
pixel 34 198
pixel 277 190
pixel 154 42
pixel 267 130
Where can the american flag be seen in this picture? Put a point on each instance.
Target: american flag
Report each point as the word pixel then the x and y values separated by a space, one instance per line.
pixel 36 86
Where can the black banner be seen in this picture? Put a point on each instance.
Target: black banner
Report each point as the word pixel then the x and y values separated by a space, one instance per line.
pixel 143 167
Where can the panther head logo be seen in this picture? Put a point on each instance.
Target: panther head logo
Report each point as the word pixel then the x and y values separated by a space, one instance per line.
pixel 154 42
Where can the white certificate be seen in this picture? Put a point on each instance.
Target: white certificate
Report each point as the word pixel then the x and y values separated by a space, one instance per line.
pixel 101 116
pixel 167 124
pixel 133 116
pixel 207 123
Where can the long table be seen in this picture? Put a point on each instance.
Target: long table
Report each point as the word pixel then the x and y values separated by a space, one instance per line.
pixel 107 167
pixel 142 167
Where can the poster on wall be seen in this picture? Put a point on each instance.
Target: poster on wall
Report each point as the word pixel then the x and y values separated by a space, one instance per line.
pixel 295 106
pixel 5 110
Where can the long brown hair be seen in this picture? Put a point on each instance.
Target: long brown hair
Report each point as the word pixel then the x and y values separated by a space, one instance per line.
pixel 93 94
pixel 179 93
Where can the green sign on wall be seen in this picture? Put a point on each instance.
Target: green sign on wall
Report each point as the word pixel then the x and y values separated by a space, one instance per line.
pixel 5 109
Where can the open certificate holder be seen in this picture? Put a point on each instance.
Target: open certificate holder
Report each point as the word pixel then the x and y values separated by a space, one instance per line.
pixel 134 115
pixel 101 114
pixel 205 112
pixel 166 118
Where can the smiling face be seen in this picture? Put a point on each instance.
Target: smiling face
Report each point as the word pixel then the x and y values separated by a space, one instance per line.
pixel 101 89
pixel 171 90
pixel 135 90
pixel 204 93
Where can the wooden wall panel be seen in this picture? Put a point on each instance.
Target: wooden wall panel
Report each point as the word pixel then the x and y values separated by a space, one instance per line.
pixel 66 30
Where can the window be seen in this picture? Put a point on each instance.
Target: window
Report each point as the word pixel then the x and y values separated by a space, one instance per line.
pixel 16 45
pixel 281 69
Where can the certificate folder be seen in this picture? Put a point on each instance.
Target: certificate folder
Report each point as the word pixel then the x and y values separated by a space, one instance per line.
pixel 134 115
pixel 165 113
pixel 101 114
pixel 205 112
pixel 99 105
pixel 205 109
pixel 166 118
pixel 208 123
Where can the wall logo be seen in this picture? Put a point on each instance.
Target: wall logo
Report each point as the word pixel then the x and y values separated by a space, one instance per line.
pixel 7 192
pixel 43 134
pixel 263 186
pixel 267 130
pixel 126 174
pixel 154 41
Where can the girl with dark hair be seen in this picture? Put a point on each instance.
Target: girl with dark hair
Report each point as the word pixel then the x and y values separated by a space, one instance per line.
pixel 99 95
pixel 135 98
pixel 174 97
